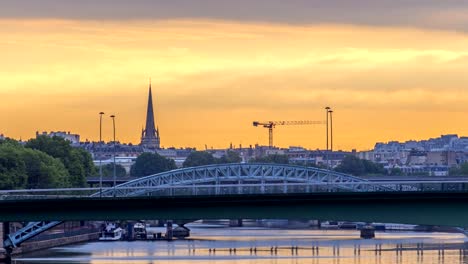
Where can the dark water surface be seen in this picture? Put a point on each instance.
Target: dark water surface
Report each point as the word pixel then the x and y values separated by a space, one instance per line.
pixel 267 246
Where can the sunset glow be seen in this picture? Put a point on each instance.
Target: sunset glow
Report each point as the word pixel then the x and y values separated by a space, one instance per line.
pixel 212 78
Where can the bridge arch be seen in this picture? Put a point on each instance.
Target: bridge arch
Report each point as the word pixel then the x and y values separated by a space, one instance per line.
pixel 241 178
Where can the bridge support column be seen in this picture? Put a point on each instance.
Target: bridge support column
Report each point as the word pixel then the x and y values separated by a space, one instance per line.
pixel 368 232
pixel 169 233
pixel 4 232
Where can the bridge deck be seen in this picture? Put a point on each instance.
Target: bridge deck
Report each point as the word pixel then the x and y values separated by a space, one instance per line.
pixel 431 208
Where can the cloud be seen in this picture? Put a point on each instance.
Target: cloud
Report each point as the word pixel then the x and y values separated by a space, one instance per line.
pixel 447 14
pixel 211 79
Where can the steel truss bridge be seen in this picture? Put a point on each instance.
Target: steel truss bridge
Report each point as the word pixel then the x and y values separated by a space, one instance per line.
pixel 221 180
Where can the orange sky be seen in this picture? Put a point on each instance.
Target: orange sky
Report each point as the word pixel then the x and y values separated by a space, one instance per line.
pixel 212 78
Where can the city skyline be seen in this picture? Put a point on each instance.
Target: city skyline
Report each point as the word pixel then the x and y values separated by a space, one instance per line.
pixel 215 71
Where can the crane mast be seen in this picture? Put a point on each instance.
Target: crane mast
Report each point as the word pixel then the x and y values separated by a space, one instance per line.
pixel 271 124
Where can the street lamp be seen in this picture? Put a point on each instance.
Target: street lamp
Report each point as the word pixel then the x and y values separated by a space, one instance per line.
pixel 331 130
pixel 100 156
pixel 113 125
pixel 327 109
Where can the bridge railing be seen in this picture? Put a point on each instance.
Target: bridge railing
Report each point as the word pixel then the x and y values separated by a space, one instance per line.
pixel 237 189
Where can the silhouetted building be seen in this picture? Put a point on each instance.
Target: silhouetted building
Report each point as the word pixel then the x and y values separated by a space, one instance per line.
pixel 150 135
pixel 73 138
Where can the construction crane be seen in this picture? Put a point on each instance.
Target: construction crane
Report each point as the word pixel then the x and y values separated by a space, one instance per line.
pixel 271 124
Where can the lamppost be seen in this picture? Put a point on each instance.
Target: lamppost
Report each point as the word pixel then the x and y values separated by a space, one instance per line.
pixel 331 131
pixel 327 109
pixel 100 156
pixel 113 125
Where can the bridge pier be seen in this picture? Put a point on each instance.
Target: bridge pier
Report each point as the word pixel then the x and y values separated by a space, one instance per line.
pixel 169 233
pixel 368 232
pixel 4 253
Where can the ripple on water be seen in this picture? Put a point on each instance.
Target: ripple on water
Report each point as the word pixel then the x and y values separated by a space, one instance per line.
pixel 267 246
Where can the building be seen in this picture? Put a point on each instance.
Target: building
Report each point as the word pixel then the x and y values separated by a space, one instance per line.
pixel 441 158
pixel 125 162
pixel 73 138
pixel 150 135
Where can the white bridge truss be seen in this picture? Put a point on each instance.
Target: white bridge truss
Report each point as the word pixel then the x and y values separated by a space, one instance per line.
pixel 243 178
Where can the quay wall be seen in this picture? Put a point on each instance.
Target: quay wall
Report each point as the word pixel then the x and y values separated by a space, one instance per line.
pixel 43 244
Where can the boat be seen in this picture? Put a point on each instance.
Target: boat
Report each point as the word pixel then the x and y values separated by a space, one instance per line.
pixel 348 225
pixel 379 226
pixel 111 233
pixel 329 225
pixel 181 232
pixel 139 231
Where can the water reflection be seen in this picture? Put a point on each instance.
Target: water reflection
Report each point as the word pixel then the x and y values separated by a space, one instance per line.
pixel 268 246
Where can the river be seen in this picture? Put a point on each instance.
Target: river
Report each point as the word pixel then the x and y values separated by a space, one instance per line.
pixel 248 245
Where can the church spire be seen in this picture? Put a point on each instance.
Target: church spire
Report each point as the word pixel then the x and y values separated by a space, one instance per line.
pixel 150 136
pixel 150 126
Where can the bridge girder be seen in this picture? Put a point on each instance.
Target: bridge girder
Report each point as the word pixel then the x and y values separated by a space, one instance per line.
pixel 234 175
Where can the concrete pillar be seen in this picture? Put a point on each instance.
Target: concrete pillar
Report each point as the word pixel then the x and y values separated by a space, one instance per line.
pixel 169 234
pixel 2 235
pixel 4 231
pixel 367 232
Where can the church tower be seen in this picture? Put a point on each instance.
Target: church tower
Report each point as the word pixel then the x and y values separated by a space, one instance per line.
pixel 150 135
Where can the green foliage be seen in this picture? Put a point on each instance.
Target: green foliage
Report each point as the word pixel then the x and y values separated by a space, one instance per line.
pixel 395 172
pixel 44 171
pixel 459 171
pixel 358 167
pixel 9 141
pixel 230 157
pixel 26 168
pixel 108 170
pixel 275 158
pixel 199 158
pixel 421 173
pixel 78 162
pixel 12 168
pixel 151 163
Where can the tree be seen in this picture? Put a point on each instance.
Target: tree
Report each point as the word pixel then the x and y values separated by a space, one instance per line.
pixel 151 163
pixel 12 168
pixel 27 168
pixel 459 171
pixel 78 162
pixel 230 157
pixel 358 167
pixel 396 172
pixel 351 165
pixel 274 158
pixel 108 170
pixel 199 158
pixel 44 171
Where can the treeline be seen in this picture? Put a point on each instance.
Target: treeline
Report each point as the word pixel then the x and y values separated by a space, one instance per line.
pixel 349 165
pixel 51 162
pixel 43 162
pixel 359 167
pixel 153 163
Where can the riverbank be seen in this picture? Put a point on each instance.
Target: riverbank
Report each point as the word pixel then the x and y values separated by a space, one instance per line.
pixel 54 242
